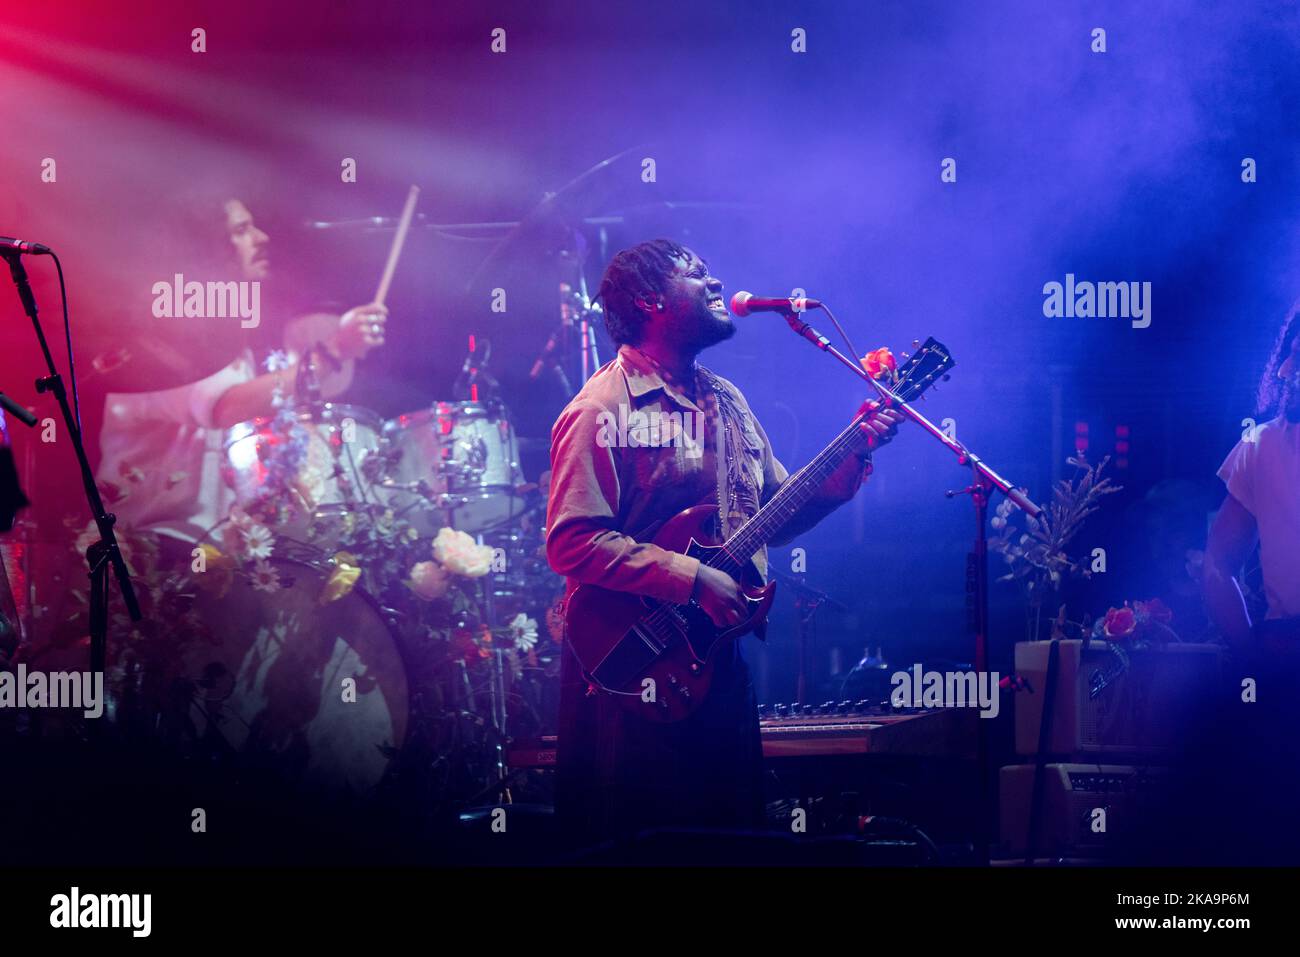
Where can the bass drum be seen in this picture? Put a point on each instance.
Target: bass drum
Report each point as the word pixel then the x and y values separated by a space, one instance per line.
pixel 313 691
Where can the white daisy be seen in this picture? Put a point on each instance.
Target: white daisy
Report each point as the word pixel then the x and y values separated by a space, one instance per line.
pixel 257 541
pixel 524 631
pixel 265 577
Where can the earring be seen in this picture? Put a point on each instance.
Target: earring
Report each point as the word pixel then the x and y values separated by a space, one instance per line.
pixel 659 307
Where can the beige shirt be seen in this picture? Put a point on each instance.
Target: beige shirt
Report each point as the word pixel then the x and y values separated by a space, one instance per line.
pixel 615 475
pixel 163 457
pixel 1264 476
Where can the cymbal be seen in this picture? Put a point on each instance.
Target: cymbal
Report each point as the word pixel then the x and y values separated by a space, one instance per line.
pixel 582 196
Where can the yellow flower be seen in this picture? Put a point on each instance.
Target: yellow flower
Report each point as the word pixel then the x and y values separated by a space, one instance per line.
pixel 218 571
pixel 343 578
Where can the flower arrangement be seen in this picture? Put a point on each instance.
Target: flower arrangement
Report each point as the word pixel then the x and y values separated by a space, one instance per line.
pixel 431 587
pixel 1037 557
pixel 1137 624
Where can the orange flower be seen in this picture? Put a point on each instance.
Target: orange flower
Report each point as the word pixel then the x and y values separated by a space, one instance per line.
pixel 877 362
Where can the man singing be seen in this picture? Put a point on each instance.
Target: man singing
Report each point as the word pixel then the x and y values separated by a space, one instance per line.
pixel 619 773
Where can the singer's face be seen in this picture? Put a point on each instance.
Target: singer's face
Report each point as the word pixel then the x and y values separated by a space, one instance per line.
pixel 249 241
pixel 694 313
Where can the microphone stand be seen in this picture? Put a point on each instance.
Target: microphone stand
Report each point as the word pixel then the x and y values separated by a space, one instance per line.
pixel 807 602
pixel 105 552
pixel 984 481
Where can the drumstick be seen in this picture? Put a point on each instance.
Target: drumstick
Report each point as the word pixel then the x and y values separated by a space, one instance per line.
pixel 395 251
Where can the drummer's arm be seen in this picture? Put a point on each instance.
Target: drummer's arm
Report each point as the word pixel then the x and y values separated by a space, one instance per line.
pixel 256 397
pixel 359 330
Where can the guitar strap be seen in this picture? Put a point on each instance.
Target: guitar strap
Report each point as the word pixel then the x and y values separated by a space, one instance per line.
pixel 722 434
pixel 726 421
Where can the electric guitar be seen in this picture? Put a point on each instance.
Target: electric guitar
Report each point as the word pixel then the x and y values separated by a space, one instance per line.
pixel 656 656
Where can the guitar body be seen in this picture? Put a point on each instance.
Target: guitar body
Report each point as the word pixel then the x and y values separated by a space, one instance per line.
pixel 657 658
pixel 624 641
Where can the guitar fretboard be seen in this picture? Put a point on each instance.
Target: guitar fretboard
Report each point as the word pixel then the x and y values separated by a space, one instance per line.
pixel 916 375
pixel 792 496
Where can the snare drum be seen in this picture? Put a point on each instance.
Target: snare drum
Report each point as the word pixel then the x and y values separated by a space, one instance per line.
pixel 454 464
pixel 321 471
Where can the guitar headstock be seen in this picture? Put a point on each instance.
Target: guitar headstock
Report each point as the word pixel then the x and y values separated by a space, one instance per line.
pixel 929 363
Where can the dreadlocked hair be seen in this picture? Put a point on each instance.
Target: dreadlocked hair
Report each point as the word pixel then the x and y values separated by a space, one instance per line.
pixel 1272 390
pixel 638 273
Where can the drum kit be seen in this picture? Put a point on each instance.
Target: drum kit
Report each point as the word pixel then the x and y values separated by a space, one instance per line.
pixel 340 687
pixel 331 693
pixel 453 465
pixel 376 682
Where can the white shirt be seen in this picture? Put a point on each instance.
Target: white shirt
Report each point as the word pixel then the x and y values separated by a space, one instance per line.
pixel 163 453
pixel 1264 476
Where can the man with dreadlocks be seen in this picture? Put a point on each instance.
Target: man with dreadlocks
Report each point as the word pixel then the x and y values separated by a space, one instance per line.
pixel 618 773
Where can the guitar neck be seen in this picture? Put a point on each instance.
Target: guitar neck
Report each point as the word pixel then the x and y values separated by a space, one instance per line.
pixel 931 361
pixel 789 499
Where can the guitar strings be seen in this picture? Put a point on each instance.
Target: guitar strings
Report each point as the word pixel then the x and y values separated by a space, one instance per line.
pixel 661 615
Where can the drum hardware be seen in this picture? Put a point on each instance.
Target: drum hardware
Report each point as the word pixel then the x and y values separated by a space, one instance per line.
pixel 456 463
pixel 498 712
pixel 475 383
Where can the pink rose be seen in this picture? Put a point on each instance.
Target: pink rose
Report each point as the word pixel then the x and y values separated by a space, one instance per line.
pixel 428 580
pixel 461 555
pixel 1120 622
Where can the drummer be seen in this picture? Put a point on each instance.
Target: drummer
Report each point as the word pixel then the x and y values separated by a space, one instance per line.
pixel 162 451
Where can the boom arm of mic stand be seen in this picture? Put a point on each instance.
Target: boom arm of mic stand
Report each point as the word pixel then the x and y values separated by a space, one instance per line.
pixel 964 455
pixel 984 478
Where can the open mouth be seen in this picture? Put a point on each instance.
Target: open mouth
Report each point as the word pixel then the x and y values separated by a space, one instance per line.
pixel 718 306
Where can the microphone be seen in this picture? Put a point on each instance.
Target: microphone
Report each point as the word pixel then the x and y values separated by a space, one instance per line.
pixel 743 303
pixel 10 245
pixel 546 357
pixel 17 411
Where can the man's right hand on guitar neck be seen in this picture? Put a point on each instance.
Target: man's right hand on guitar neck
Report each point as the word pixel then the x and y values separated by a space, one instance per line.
pixel 720 597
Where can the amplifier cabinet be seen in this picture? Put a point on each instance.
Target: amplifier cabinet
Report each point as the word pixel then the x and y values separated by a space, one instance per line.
pixel 1087 809
pixel 1107 706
